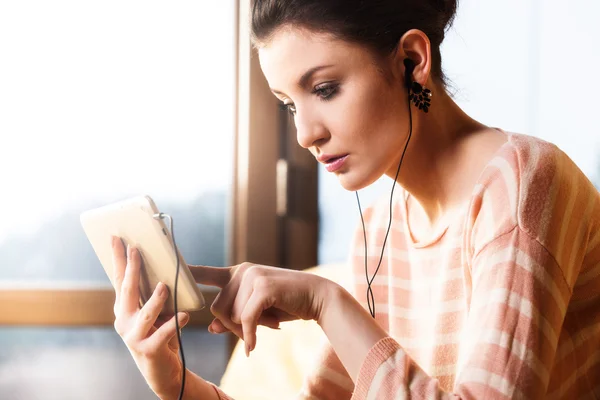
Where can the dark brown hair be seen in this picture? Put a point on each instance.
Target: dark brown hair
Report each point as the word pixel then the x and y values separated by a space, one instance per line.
pixel 377 24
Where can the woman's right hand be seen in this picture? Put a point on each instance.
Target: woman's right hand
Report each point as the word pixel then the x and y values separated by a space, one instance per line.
pixel 152 342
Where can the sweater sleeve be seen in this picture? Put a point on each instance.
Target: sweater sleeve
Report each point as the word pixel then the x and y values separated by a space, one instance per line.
pixel 517 307
pixel 329 380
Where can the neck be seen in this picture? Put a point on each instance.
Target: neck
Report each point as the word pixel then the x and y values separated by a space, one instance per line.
pixel 431 160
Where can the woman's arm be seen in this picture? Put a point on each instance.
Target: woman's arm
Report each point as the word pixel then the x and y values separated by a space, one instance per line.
pixel 350 329
pixel 196 388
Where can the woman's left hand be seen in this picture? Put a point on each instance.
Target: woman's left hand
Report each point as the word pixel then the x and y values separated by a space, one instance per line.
pixel 255 294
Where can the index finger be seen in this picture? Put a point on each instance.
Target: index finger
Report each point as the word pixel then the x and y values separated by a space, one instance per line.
pixel 130 289
pixel 211 276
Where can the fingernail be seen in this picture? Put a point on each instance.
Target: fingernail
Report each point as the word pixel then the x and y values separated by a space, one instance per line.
pixel 185 318
pixel 210 329
pixel 113 241
pixel 247 351
pixel 128 251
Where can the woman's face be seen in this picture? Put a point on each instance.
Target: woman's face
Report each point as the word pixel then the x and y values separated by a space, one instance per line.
pixel 342 103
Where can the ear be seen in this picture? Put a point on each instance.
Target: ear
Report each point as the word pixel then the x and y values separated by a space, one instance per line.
pixel 415 45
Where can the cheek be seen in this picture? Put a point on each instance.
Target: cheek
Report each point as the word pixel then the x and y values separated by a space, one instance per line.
pixel 372 117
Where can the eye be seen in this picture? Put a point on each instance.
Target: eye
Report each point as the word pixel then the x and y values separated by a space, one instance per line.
pixel 326 91
pixel 289 107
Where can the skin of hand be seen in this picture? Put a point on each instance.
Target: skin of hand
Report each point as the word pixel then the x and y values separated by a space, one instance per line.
pixel 250 295
pixel 152 341
pixel 254 294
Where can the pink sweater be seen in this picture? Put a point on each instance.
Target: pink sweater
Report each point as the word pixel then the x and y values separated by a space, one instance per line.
pixel 504 302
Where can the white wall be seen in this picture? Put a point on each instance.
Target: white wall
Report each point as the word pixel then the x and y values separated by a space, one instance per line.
pixel 569 80
pixel 527 66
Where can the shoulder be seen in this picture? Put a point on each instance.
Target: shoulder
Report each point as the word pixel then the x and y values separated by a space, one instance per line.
pixel 524 164
pixel 534 185
pixel 552 193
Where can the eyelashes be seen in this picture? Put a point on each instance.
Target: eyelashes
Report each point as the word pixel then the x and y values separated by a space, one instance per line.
pixel 324 92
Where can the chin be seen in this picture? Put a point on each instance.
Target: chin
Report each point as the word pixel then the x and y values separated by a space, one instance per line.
pixel 353 182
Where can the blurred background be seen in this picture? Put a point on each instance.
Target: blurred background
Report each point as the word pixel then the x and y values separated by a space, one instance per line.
pixel 92 94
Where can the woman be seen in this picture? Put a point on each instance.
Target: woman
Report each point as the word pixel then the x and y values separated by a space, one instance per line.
pixel 483 272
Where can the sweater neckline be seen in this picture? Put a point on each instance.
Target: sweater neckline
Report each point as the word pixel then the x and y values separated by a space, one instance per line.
pixel 441 231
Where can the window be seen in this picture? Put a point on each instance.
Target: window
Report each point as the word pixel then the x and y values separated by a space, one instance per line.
pixel 102 102
pixel 99 102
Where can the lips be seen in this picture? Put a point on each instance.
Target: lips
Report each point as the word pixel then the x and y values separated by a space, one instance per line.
pixel 333 159
pixel 329 158
pixel 335 163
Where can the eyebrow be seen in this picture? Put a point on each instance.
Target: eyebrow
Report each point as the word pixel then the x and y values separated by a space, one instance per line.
pixel 305 77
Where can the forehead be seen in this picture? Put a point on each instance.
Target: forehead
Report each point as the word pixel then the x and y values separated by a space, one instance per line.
pixel 291 51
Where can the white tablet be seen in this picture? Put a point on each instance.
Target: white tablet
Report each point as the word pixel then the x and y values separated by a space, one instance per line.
pixel 133 220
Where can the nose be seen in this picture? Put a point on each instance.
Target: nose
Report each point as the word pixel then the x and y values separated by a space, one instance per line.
pixel 310 130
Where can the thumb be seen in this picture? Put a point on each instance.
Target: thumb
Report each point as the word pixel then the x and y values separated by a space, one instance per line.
pixel 211 276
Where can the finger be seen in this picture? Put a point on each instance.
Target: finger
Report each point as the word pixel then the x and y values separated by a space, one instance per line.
pixel 217 327
pixel 222 302
pixel 150 311
pixel 130 289
pixel 236 329
pixel 173 343
pixel 161 320
pixel 244 292
pixel 119 261
pixel 211 276
pixel 163 335
pixel 255 306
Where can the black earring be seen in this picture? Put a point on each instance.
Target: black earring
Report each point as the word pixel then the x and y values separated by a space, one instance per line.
pixel 421 96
